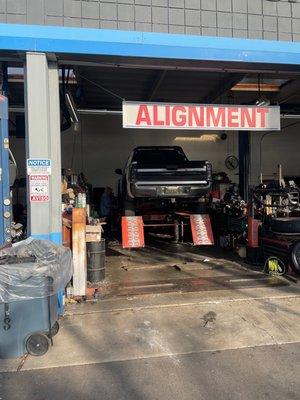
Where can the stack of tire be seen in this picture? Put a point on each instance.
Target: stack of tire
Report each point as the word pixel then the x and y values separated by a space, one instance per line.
pixel 289 228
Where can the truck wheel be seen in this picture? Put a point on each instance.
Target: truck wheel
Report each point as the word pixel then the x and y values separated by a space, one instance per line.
pixel 129 210
pixel 296 256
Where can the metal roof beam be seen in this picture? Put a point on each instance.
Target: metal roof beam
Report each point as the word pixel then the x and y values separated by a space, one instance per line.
pixel 156 84
pixel 288 91
pixel 225 85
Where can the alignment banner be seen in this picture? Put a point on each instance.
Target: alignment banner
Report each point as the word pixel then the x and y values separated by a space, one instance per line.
pixel 200 117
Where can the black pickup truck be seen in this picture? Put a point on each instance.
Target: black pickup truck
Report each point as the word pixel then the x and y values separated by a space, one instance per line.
pixel 155 173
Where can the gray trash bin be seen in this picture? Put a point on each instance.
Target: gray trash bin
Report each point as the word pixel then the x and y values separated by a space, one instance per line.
pixel 30 277
pixel 27 326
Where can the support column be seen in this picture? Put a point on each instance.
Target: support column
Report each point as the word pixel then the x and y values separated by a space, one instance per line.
pixel 5 200
pixel 43 141
pixel 55 154
pixel 244 166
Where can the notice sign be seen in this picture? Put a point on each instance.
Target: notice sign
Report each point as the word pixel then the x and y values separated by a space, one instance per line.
pixel 38 166
pixel 39 188
pixel 200 117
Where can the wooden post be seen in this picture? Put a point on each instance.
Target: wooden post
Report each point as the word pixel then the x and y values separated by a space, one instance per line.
pixel 67 232
pixel 79 251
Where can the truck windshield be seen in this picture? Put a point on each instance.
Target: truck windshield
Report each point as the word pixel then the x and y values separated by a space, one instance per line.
pixel 158 156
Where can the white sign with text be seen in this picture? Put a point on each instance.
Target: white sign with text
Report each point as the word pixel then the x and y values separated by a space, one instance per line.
pixel 200 117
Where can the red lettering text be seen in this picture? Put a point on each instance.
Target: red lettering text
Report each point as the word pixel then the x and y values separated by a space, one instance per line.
pixel 262 112
pixel 156 121
pixel 143 115
pixel 167 115
pixel 232 117
pixel 178 116
pixel 215 117
pixel 247 120
pixel 195 116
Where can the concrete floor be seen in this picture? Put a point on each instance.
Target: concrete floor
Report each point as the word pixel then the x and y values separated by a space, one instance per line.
pixel 267 372
pixel 169 268
pixel 211 329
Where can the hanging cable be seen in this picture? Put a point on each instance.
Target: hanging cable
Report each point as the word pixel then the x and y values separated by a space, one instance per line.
pixel 289 125
pixel 73 150
pixel 68 76
pixel 12 157
pixel 81 148
pixel 260 153
pixel 101 87
pixel 65 115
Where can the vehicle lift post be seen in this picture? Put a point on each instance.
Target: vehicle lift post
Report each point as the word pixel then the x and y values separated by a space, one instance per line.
pixel 5 200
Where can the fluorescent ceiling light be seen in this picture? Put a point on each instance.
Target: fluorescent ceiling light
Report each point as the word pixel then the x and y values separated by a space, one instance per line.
pixel 262 101
pixel 250 84
pixel 253 87
pixel 202 138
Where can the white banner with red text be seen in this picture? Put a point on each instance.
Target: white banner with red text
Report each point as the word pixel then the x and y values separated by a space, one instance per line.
pixel 200 117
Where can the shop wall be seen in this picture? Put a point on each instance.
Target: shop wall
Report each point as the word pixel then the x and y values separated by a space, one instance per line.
pixel 102 145
pixel 277 148
pixel 253 19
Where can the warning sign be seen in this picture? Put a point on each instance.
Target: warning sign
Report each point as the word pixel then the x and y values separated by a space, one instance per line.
pixel 39 188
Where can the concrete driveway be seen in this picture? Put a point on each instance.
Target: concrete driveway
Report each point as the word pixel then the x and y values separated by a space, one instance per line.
pixel 239 341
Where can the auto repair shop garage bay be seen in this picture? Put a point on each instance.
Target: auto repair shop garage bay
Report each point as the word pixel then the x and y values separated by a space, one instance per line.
pixel 172 170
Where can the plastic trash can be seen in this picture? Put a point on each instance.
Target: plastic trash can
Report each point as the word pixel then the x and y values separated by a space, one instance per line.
pixel 31 276
pixel 28 326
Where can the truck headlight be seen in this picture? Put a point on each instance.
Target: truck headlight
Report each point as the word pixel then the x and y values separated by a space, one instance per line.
pixel 133 173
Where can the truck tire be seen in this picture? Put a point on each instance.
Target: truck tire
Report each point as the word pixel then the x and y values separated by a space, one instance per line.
pixel 288 226
pixel 129 210
pixel 296 256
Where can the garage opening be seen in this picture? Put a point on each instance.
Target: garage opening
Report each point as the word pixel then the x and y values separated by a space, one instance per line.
pixel 249 180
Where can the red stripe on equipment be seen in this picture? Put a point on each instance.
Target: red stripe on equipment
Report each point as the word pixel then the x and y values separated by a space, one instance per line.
pixel 201 230
pixel 132 232
pixel 253 227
